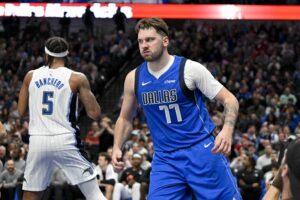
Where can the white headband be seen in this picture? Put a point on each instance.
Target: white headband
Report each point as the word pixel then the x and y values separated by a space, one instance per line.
pixel 58 55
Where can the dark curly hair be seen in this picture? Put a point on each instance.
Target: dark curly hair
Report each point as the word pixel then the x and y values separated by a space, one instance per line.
pixel 56 45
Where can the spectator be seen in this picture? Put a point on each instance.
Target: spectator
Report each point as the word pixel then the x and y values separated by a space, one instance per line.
pixel 19 162
pixel 31 27
pixel 145 180
pixel 92 140
pixel 106 134
pixel 283 100
pixel 252 135
pixel 274 162
pixel 264 159
pixel 249 179
pixel 145 163
pixel 237 163
pixel 88 20
pixel 120 20
pixel 107 177
pixel 9 180
pixel 134 138
pixel 3 155
pixel 130 181
pixel 64 26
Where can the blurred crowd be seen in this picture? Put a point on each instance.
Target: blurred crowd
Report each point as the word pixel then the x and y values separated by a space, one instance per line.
pixel 257 61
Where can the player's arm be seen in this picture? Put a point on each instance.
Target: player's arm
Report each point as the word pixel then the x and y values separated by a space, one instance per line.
pixel 124 122
pixel 86 96
pixel 24 94
pixel 231 107
pixel 198 77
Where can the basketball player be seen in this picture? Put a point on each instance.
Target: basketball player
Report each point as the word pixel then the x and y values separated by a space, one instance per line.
pixel 51 92
pixel 187 159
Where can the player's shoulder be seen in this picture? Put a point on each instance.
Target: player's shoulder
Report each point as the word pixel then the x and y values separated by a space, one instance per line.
pixel 78 75
pixel 195 68
pixel 132 72
pixel 130 76
pixel 192 64
pixel 28 77
pixel 78 79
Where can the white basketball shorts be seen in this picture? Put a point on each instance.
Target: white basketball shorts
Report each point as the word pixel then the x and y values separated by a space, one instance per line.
pixel 43 159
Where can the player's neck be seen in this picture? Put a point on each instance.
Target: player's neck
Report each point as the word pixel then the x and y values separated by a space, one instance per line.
pixel 157 65
pixel 56 64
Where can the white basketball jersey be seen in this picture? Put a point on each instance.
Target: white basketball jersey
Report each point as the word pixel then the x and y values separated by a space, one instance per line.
pixel 52 104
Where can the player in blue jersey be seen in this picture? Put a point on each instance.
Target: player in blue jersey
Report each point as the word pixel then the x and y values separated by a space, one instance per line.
pixel 170 89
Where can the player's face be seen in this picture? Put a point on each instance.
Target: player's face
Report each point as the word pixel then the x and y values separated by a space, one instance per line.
pixel 152 44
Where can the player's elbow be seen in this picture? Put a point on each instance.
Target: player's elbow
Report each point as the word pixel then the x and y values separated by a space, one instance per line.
pixel 231 101
pixel 235 102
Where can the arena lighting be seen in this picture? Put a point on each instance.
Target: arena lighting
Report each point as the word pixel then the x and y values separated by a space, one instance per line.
pixel 170 11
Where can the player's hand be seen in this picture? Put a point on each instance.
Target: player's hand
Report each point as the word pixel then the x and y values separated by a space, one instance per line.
pixel 223 141
pixel 117 162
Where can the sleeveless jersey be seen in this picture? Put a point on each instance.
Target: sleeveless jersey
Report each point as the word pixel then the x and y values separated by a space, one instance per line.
pixel 52 104
pixel 177 117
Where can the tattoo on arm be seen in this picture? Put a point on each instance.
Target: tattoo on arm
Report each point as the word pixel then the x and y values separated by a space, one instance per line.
pixel 231 113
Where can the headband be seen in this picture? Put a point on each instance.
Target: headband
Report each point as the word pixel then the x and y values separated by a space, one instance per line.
pixel 59 55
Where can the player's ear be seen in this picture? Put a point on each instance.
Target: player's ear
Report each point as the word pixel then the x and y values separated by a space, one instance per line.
pixel 165 41
pixel 285 170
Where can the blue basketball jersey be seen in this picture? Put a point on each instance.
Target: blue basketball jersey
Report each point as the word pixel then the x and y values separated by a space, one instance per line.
pixel 177 117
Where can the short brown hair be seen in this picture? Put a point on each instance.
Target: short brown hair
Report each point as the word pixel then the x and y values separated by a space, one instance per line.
pixel 106 156
pixel 157 23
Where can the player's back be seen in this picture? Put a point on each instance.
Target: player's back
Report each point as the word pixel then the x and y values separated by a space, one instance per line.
pixel 52 104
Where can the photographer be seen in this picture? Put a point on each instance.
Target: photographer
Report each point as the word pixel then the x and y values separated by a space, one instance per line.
pixel 287 181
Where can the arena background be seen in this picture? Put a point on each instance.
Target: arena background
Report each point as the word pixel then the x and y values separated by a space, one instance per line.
pixel 252 47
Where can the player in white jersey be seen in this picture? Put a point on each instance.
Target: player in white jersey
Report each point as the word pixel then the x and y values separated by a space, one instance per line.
pixel 51 93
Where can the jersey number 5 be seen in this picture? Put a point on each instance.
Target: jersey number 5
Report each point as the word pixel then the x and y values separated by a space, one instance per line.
pixel 167 109
pixel 48 103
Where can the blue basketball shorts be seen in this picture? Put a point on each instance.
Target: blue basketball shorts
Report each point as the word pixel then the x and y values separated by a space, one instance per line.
pixel 176 175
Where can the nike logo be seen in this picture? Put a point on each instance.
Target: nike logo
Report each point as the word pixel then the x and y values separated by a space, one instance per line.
pixel 207 145
pixel 146 83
